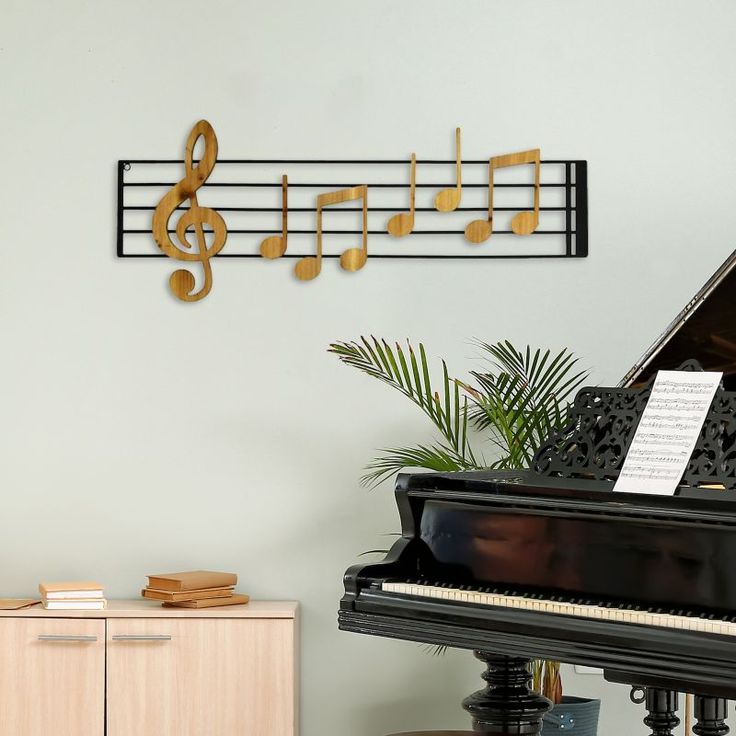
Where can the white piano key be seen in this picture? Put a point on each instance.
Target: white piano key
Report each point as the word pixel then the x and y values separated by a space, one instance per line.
pixel 645 618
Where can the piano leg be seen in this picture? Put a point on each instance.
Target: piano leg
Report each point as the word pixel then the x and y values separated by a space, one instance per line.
pixel 506 706
pixel 661 706
pixel 710 714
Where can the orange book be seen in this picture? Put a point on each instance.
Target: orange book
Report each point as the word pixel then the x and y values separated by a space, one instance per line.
pixel 193 580
pixel 81 589
pixel 233 600
pixel 190 595
pixel 13 604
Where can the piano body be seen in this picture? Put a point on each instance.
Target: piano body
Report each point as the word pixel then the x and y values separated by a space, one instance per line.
pixel 548 562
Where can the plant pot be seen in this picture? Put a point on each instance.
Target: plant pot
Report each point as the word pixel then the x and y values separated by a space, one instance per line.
pixel 578 716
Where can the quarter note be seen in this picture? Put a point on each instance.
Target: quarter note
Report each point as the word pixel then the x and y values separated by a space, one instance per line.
pixel 275 245
pixel 449 199
pixel 522 223
pixel 353 259
pixel 403 223
pixel 181 281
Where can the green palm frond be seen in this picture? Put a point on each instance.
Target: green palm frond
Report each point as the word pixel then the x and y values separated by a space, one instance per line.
pixel 518 402
pixel 439 458
pixel 409 373
pixel 523 399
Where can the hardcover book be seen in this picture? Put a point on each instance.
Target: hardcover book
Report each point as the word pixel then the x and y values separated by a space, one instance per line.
pixel 167 595
pixel 233 600
pixel 192 580
pixel 94 604
pixel 66 590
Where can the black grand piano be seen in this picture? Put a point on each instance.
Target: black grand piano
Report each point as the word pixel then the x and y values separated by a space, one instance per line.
pixel 548 562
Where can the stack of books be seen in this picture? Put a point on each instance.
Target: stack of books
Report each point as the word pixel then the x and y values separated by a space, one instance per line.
pixel 194 589
pixel 76 596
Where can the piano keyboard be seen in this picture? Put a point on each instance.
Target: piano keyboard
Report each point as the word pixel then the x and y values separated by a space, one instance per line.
pixel 569 606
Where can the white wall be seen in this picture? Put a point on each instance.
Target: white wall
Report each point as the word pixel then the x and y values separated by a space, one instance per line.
pixel 140 434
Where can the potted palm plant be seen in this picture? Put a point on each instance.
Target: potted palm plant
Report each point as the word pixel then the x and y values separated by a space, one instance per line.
pixel 515 403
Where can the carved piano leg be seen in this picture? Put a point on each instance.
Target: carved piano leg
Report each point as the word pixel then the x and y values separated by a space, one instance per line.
pixel 662 705
pixel 506 706
pixel 710 714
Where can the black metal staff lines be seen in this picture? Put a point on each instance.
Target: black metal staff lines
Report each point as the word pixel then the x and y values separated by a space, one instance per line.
pixel 562 238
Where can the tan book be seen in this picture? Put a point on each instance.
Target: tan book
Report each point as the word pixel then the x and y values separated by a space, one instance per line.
pixel 193 580
pixel 13 604
pixel 79 589
pixel 189 595
pixel 233 600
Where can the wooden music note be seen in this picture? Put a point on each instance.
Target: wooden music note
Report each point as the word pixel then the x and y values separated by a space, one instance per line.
pixel 181 281
pixel 403 223
pixel 449 199
pixel 353 259
pixel 522 223
pixel 275 246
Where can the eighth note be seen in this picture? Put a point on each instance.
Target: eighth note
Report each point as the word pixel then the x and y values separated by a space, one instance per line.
pixel 449 199
pixel 275 246
pixel 522 223
pixel 403 223
pixel 353 259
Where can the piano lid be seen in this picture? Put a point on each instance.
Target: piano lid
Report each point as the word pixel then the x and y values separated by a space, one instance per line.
pixel 704 330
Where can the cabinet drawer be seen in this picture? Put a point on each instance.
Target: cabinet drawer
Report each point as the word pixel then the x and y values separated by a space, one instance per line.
pixel 200 677
pixel 52 677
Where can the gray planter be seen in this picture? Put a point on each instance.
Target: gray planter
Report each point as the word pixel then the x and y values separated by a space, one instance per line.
pixel 578 716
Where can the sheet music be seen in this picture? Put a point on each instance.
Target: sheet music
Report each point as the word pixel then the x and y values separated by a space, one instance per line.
pixel 667 432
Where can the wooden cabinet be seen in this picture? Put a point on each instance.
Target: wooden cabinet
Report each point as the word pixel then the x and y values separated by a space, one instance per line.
pixel 52 677
pixel 140 669
pixel 177 677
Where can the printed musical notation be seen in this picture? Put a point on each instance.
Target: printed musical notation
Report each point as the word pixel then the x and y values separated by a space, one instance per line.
pixel 186 210
pixel 668 431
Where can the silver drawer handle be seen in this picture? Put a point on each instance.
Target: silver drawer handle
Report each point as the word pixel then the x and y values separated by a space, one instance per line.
pixel 141 637
pixel 65 637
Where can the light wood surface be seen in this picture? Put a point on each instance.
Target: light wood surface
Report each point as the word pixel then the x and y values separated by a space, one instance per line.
pixel 212 678
pixel 449 199
pixel 523 223
pixel 51 687
pixel 151 609
pixel 182 282
pixel 353 259
pixel 403 223
pixel 275 245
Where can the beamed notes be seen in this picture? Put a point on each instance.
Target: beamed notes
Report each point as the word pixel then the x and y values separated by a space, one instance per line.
pixel 299 213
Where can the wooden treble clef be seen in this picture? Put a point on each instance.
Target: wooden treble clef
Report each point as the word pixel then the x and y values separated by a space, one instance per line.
pixel 182 281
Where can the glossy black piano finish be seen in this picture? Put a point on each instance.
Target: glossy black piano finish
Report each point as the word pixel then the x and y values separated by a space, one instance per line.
pixel 481 529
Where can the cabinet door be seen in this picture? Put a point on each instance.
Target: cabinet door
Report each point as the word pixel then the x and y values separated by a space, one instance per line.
pixel 52 677
pixel 200 677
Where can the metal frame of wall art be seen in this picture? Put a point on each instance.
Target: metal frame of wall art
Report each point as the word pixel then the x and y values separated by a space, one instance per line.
pixel 514 205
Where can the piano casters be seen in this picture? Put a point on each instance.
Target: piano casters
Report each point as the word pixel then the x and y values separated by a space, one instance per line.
pixel 506 706
pixel 662 705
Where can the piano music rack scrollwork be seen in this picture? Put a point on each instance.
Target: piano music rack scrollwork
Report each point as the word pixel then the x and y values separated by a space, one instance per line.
pixel 601 426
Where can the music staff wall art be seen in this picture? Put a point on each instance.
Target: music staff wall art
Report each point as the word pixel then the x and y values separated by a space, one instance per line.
pixel 312 210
